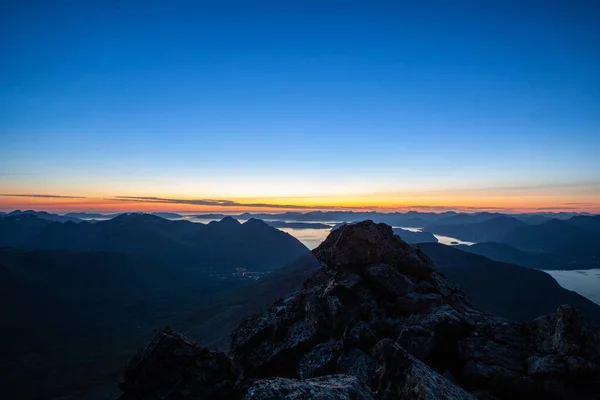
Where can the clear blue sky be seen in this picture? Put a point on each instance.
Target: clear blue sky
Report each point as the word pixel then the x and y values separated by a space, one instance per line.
pixel 292 99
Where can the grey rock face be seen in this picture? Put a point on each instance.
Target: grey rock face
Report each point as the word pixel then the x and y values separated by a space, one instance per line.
pixel 404 377
pixel 330 387
pixel 377 321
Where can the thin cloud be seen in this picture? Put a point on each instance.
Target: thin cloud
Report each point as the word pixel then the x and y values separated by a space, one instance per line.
pixel 208 202
pixel 231 203
pixel 559 208
pixel 44 196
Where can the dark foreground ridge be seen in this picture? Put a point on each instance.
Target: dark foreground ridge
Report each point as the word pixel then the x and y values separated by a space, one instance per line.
pixel 377 321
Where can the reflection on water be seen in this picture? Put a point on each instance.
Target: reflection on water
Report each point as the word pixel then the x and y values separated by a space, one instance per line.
pixel 584 282
pixel 447 240
pixel 311 238
pixel 450 240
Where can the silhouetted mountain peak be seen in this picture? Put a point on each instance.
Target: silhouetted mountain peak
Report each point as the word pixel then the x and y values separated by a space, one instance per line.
pixel 136 218
pixel 229 221
pixel 354 247
pixel 259 223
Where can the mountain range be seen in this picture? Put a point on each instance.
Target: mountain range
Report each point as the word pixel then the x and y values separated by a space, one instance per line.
pixel 378 321
pixel 92 292
pixel 79 296
pixel 256 246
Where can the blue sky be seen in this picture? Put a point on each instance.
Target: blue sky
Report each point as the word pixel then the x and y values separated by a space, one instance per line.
pixel 300 99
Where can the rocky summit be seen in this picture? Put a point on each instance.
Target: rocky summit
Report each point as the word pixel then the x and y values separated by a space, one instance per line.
pixel 377 321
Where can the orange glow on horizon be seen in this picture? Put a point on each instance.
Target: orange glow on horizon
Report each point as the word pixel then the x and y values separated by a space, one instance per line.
pixel 532 203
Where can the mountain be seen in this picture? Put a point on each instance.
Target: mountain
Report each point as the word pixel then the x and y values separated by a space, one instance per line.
pixel 210 216
pixel 567 244
pixel 217 247
pixel 404 234
pixel 298 225
pixel 464 218
pixel 505 253
pixel 507 290
pixel 43 215
pixel 86 310
pixel 215 320
pixel 589 222
pixel 532 219
pixel 415 237
pixel 376 321
pixel 490 230
pixel 69 318
pixel 410 219
pixel 20 228
pixel 167 215
pixel 573 244
pixel 84 215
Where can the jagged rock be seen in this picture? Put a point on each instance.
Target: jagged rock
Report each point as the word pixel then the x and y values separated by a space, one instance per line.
pixel 172 367
pixel 352 247
pixel 546 365
pixel 357 363
pixel 378 312
pixel 320 361
pixel 389 280
pixel 404 377
pixel 330 387
pixel 360 335
pixel 356 246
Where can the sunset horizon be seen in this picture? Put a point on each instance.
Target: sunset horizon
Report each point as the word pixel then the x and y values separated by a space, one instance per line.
pixel 424 203
pixel 299 199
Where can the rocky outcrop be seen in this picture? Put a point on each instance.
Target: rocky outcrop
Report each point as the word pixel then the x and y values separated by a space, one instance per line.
pixel 172 367
pixel 378 321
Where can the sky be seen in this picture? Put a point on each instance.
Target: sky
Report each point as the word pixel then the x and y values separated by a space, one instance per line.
pixel 387 105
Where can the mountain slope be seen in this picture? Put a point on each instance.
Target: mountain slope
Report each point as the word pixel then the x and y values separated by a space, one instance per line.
pixel 70 317
pixel 213 322
pixel 510 291
pixel 45 215
pixel 216 247
pixel 589 222
pixel 415 237
pixel 505 253
pixel 488 230
pixel 561 238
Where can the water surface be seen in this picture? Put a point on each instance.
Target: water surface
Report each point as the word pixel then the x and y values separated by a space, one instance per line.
pixel 585 282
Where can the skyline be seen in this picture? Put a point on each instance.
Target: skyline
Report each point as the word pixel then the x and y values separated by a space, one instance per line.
pixel 311 105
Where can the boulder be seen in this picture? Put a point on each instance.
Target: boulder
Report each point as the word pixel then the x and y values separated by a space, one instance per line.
pixel 173 367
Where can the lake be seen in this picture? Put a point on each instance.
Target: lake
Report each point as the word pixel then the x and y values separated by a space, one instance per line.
pixel 585 282
pixel 311 238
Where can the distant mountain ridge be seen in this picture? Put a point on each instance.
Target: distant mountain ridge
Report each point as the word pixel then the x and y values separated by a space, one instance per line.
pixel 563 238
pixel 219 246
pixel 487 230
pixel 44 215
pixel 414 219
pixel 85 215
